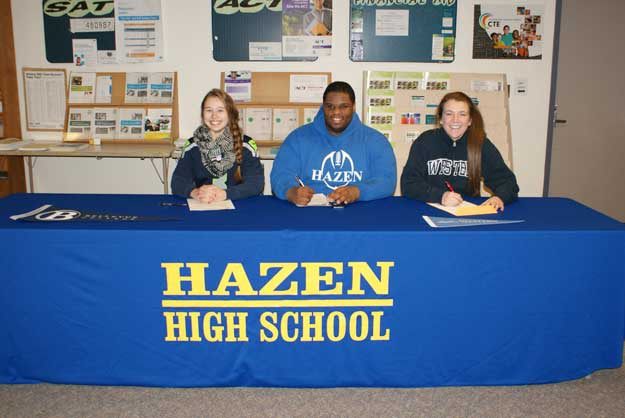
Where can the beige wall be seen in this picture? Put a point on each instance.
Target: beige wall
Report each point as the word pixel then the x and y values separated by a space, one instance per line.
pixel 187 28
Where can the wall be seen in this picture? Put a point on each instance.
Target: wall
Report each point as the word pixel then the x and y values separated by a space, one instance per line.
pixel 187 29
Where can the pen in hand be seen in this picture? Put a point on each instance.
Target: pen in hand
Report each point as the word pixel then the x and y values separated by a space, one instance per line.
pixel 451 198
pixel 299 181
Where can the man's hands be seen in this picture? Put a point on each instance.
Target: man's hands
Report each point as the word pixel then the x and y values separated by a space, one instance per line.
pixel 344 195
pixel 208 193
pixel 299 196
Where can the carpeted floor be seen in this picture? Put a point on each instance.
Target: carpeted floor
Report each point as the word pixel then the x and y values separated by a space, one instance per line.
pixel 601 395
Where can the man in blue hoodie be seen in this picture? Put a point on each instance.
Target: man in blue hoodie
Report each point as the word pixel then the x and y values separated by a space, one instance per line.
pixel 335 155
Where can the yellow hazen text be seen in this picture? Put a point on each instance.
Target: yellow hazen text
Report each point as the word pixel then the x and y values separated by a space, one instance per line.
pixel 276 279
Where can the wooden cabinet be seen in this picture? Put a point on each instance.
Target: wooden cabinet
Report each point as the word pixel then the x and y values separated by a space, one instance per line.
pixel 12 179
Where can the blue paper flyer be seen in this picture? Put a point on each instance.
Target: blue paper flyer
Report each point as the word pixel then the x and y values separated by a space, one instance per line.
pixel 443 222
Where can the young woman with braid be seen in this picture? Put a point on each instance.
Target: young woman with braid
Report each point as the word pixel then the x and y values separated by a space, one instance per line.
pixel 219 162
pixel 452 160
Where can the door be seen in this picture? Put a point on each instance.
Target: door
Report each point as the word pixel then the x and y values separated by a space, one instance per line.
pixel 588 146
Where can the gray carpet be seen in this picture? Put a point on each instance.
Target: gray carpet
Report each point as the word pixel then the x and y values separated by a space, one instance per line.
pixel 601 395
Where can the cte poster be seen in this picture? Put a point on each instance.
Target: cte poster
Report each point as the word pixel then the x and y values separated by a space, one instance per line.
pixel 405 31
pixel 513 31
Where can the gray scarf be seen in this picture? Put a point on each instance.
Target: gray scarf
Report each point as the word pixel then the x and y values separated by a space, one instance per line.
pixel 217 154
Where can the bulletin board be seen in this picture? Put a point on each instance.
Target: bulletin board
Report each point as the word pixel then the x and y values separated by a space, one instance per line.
pixel 402 105
pixel 243 31
pixel 95 23
pixel 390 32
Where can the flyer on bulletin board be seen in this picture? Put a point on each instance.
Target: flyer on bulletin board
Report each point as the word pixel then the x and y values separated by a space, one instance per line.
pixel 513 31
pixel 139 30
pixel 306 28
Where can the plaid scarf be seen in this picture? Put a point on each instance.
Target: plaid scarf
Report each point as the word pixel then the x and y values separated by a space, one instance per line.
pixel 217 154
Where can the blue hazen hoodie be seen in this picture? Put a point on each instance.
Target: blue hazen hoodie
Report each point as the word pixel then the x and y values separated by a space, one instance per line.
pixel 359 156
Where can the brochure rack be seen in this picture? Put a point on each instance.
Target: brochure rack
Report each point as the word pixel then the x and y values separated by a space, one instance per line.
pixel 118 94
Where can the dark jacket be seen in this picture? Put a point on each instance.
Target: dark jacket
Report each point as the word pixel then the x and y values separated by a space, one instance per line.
pixel 435 158
pixel 190 173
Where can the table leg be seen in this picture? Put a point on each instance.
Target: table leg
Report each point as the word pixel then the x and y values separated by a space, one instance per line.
pixel 166 175
pixel 31 183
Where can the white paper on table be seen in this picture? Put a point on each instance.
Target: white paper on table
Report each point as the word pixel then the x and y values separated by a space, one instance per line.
pixel 197 205
pixel 465 208
pixel 318 199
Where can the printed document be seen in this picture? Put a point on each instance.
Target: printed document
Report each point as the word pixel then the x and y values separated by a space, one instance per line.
pixel 197 205
pixel 466 209
pixel 318 199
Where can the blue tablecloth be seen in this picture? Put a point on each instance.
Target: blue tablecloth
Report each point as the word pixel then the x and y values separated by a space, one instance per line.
pixel 367 295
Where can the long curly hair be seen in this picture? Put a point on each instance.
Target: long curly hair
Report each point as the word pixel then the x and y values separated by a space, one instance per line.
pixel 475 138
pixel 233 124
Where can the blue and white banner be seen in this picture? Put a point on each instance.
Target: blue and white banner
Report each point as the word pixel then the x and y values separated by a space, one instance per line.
pixel 50 213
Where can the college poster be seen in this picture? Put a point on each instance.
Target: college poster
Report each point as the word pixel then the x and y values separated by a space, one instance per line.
pixel 272 30
pixel 64 22
pixel 512 31
pixel 89 33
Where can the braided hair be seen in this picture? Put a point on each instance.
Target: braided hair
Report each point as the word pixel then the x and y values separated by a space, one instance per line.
pixel 233 125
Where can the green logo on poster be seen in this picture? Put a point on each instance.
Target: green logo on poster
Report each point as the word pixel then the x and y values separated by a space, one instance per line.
pixel 229 7
pixel 78 8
